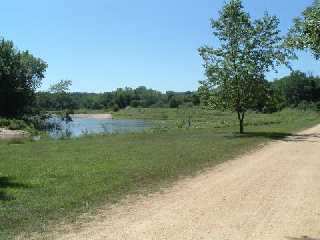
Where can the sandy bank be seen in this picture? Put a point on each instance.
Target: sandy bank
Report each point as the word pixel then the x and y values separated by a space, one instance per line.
pixel 12 134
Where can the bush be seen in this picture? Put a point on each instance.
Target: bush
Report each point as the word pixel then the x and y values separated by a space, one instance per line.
pixel 135 103
pixel 115 108
pixel 14 124
pixel 40 121
pixel 304 105
pixel 158 104
pixel 174 103
pixel 187 105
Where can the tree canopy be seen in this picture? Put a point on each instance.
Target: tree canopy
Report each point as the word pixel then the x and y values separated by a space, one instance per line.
pixel 20 75
pixel 305 32
pixel 298 88
pixel 115 100
pixel 63 86
pixel 236 68
pixel 63 100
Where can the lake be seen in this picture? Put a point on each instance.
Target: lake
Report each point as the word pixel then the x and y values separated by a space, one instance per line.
pixel 81 126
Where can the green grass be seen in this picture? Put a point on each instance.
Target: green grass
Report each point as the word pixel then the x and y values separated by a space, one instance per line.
pixel 46 181
pixel 204 118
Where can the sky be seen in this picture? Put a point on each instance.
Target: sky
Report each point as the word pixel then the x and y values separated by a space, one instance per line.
pixel 102 45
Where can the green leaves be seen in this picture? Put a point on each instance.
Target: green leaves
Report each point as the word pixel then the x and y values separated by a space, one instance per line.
pixel 20 75
pixel 63 86
pixel 248 49
pixel 305 32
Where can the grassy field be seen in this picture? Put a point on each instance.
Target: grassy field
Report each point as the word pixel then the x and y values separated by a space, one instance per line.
pixel 42 182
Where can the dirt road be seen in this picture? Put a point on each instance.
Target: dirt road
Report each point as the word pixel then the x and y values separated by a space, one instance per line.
pixel 273 194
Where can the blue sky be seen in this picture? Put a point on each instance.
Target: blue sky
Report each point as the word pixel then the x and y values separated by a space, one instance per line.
pixel 105 44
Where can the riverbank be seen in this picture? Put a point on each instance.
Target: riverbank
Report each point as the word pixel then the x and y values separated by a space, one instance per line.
pixel 7 134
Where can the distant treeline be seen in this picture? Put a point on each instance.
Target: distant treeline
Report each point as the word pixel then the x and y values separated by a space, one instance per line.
pixel 296 90
pixel 115 100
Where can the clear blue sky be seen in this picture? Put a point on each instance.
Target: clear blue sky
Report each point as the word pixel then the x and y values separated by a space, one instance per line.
pixel 105 44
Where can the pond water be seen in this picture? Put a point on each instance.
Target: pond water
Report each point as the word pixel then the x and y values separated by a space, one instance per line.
pixel 81 126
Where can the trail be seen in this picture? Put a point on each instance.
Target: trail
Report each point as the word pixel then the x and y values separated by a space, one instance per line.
pixel 273 193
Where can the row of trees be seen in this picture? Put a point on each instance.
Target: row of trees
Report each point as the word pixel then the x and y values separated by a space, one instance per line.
pixel 293 90
pixel 58 98
pixel 20 75
pixel 298 89
pixel 248 49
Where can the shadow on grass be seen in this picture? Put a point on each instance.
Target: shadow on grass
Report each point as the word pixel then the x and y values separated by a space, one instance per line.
pixel 6 182
pixel 302 238
pixel 5 197
pixel 283 136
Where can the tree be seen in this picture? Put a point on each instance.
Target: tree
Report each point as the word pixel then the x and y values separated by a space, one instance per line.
pixel 20 75
pixel 305 32
pixel 174 102
pixel 298 87
pixel 61 92
pixel 63 86
pixel 271 101
pixel 236 69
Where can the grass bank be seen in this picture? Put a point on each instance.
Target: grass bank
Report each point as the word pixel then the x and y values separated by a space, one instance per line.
pixel 49 180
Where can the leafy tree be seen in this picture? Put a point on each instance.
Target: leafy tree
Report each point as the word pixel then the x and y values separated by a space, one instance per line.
pixel 236 69
pixel 174 102
pixel 63 86
pixel 195 99
pixel 298 87
pixel 271 100
pixel 20 75
pixel 305 32
pixel 60 91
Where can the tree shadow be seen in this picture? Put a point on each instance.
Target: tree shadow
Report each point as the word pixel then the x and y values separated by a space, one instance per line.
pixel 302 238
pixel 283 136
pixel 6 182
pixel 5 197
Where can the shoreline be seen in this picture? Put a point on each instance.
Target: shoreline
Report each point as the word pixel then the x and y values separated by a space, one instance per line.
pixel 94 116
pixel 7 134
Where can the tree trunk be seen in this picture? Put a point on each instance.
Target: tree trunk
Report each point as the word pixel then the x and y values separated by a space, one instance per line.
pixel 241 126
pixel 241 121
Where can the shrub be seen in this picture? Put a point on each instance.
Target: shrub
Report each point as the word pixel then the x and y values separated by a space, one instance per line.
pixel 174 103
pixel 187 105
pixel 14 124
pixel 40 121
pixel 115 108
pixel 304 105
